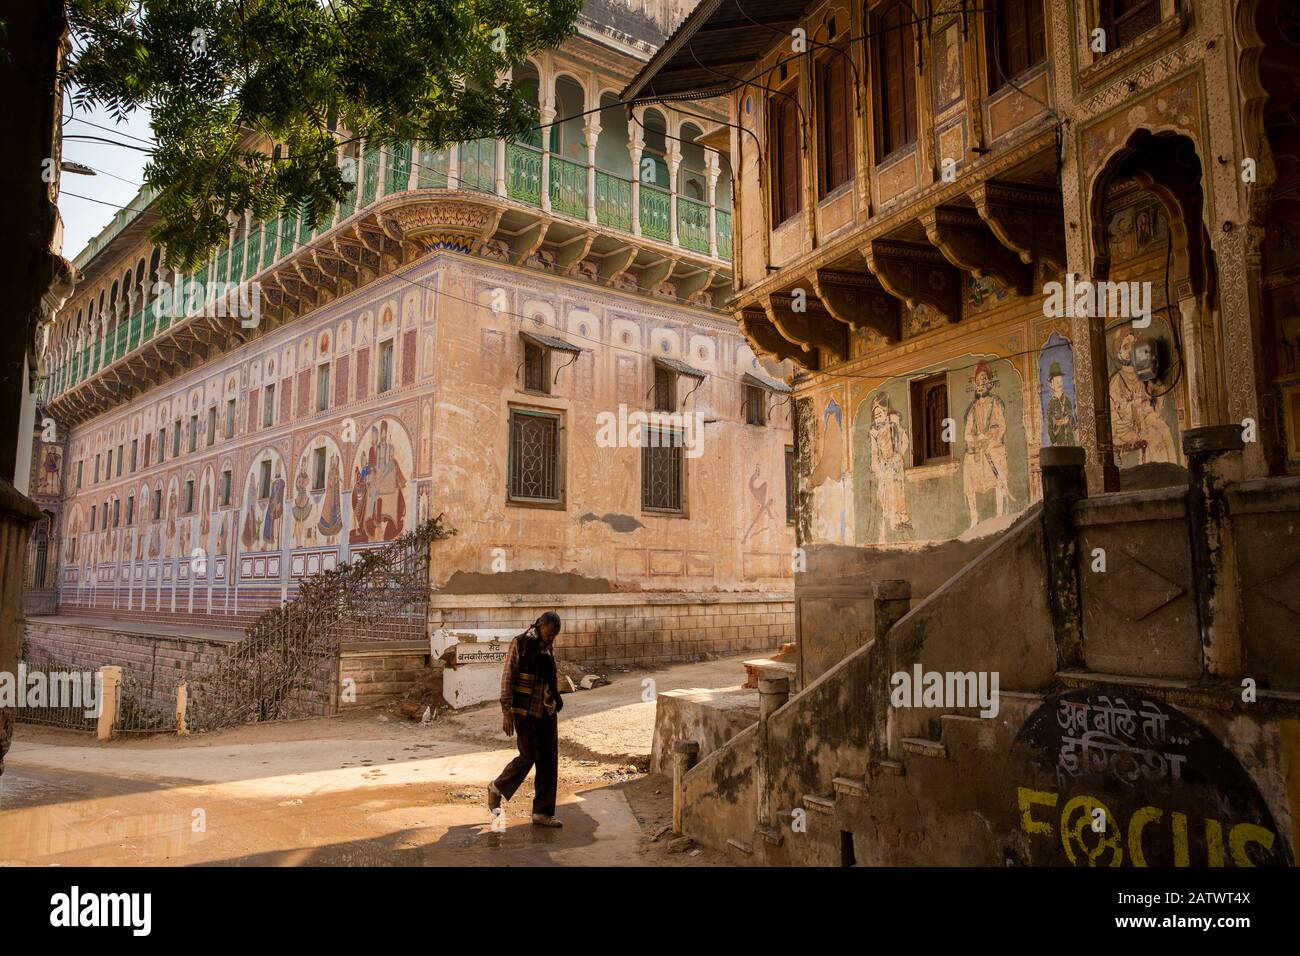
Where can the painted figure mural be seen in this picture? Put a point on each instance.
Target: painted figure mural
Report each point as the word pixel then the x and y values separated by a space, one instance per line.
pixel 47 479
pixel 889 447
pixel 1056 392
pixel 984 463
pixel 380 474
pixel 827 481
pixel 1139 426
pixel 331 515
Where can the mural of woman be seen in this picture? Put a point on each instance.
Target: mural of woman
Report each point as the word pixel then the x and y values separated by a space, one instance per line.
pixel 248 534
pixel 889 445
pixel 331 515
pixel 302 505
pixel 984 464
pixel 360 497
pixel 205 503
pixel 274 511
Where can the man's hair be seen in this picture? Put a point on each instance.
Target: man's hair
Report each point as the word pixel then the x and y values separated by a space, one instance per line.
pixel 551 618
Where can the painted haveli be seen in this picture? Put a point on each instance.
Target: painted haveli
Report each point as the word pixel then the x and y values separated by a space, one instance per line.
pixel 1036 263
pixel 482 332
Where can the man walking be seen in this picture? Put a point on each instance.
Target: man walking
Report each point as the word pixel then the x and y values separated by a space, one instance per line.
pixel 530 699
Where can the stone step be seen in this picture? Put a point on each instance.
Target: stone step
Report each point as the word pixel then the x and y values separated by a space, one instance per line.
pixel 812 801
pixel 766 667
pixel 744 848
pixel 850 787
pixel 925 747
pixel 771 834
pixel 894 767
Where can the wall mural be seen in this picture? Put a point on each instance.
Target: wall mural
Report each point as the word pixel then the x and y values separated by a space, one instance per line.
pixel 827 482
pixel 263 513
pixel 1144 415
pixel 1056 392
pixel 1109 776
pixel 50 467
pixel 975 490
pixel 381 471
pixel 316 510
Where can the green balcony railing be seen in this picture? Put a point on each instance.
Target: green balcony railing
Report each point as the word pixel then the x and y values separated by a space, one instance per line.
pixel 369 177
pixel 567 184
pixel 568 188
pixel 478 166
pixel 692 224
pixel 524 173
pixel 613 201
pixel 654 212
pixel 252 252
pixel 397 168
pixel 433 168
pixel 724 234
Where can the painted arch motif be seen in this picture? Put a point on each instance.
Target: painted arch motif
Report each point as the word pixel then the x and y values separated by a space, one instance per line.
pixel 316 501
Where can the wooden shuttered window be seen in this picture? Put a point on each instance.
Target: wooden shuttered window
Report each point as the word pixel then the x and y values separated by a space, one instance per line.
pixel 1126 20
pixel 835 110
pixel 894 75
pixel 1020 42
pixel 783 146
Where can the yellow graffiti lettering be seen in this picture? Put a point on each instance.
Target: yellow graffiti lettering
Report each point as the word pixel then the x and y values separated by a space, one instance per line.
pixel 1074 828
pixel 1179 827
pixel 1214 842
pixel 1136 824
pixel 1028 799
pixel 1244 833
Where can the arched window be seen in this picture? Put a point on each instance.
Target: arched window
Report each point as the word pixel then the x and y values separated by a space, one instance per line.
pixel 893 70
pixel 1017 42
pixel 783 155
pixel 835 111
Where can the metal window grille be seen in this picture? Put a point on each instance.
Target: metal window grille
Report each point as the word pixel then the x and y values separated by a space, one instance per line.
pixel 665 390
pixel 755 405
pixel 534 456
pixel 536 368
pixel 661 470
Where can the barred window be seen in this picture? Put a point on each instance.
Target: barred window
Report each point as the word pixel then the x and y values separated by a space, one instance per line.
pixel 755 405
pixel 534 456
pixel 790 486
pixel 665 390
pixel 268 406
pixel 176 438
pixel 929 412
pixel 1126 20
pixel 212 425
pixel 230 418
pixel 318 470
pixel 225 487
pixel 157 503
pixel 322 386
pixel 264 482
pixel 189 496
pixel 194 433
pixel 536 368
pixel 662 470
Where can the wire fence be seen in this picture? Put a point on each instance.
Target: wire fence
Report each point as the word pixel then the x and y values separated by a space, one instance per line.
pixel 286 666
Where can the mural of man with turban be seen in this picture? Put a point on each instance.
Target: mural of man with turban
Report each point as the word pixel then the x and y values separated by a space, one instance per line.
pixel 984 464
pixel 889 445
pixel 1061 420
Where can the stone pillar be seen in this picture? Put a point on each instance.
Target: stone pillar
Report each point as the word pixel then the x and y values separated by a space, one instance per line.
pixel 547 115
pixel 674 164
pixel 413 169
pixel 501 168
pixel 182 702
pixel 453 170
pixel 110 689
pixel 635 144
pixel 591 135
pixel 1064 483
pixel 773 692
pixel 714 170
pixel 383 174
pixel 686 753
pixel 1214 461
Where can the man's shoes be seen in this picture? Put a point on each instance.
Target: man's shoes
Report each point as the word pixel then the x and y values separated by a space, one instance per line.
pixel 545 820
pixel 494 798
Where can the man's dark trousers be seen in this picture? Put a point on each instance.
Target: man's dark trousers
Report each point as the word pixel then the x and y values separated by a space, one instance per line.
pixel 538 744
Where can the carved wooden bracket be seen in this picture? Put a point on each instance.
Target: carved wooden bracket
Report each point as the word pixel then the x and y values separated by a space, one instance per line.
pixel 766 339
pixel 616 263
pixel 530 240
pixel 452 224
pixel 916 275
pixel 859 301
pixel 1028 220
pixel 810 330
pixel 966 241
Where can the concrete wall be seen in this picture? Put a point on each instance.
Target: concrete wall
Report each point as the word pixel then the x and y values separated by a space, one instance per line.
pixel 1185 770
pixel 633 629
pixel 152 658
